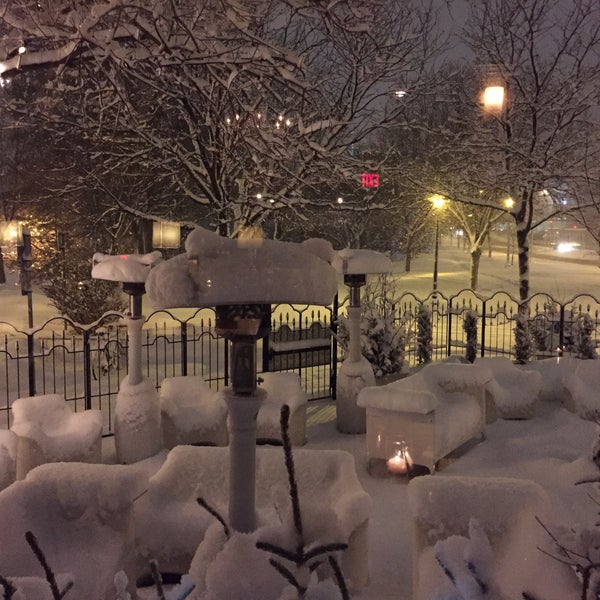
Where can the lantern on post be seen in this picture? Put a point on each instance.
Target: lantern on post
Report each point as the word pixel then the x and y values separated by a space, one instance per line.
pixel 166 234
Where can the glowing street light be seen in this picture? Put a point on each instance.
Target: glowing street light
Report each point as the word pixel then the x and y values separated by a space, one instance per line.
pixel 493 98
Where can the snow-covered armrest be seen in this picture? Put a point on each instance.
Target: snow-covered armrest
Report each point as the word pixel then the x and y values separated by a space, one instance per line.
pixel 581 389
pixel 512 390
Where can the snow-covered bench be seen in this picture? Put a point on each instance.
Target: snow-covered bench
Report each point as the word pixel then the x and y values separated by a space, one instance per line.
pixel 81 515
pixel 433 412
pixel 327 482
pixel 452 518
pixel 513 392
pixel 49 431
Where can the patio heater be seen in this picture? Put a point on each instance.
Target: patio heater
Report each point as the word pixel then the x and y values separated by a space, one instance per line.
pixel 242 325
pixel 241 279
pixel 131 270
pixel 356 371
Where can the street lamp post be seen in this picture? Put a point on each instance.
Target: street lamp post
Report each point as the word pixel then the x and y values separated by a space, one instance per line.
pixel 438 203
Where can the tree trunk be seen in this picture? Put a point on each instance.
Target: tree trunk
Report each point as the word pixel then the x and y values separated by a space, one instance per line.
pixel 523 244
pixel 407 259
pixel 475 258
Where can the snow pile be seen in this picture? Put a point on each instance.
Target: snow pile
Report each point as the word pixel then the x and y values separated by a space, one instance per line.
pixel 8 457
pixel 282 388
pixel 190 404
pixel 354 262
pixel 216 270
pixel 484 527
pixel 137 421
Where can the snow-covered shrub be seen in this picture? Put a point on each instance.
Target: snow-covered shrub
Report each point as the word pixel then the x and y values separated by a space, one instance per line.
pixel 523 342
pixel 583 344
pixel 470 328
pixel 424 335
pixel 383 338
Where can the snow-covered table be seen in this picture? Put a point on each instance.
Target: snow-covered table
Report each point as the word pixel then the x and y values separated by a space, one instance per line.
pixel 431 412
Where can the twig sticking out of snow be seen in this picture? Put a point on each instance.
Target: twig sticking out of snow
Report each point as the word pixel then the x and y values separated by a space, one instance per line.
pixel 9 588
pixel 305 560
pixel 215 513
pixel 157 579
pixel 50 577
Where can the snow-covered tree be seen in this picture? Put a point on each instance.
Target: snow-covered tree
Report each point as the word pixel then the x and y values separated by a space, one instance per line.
pixel 543 135
pixel 213 110
pixel 545 57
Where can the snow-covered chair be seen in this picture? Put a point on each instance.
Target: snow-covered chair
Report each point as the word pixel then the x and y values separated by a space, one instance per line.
pixel 513 392
pixel 49 431
pixel 452 518
pixel 432 412
pixel 282 388
pixel 8 457
pixel 581 389
pixel 192 413
pixel 82 517
pixel 327 482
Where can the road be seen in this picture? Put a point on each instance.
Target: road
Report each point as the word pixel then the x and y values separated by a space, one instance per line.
pixel 559 278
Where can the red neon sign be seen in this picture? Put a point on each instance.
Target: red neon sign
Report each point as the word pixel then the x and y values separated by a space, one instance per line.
pixel 370 180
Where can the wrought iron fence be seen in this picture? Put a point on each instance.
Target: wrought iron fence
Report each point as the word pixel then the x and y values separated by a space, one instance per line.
pixel 86 363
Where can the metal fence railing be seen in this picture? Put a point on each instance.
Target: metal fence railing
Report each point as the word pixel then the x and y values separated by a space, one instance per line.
pixel 86 363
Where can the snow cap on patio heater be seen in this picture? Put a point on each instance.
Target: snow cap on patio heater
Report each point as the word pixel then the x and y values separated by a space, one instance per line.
pixel 129 269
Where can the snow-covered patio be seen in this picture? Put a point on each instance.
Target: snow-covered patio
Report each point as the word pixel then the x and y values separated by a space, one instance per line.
pixel 552 449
